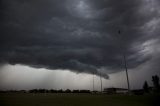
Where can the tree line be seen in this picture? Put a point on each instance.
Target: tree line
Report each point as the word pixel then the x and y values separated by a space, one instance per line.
pixel 47 91
pixel 155 88
pixel 146 89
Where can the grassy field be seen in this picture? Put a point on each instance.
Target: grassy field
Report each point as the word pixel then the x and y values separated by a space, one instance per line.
pixel 28 99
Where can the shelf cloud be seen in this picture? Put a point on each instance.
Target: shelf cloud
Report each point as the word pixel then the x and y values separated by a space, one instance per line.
pixel 83 36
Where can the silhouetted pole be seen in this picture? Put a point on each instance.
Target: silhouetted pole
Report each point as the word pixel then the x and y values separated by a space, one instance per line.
pixel 125 64
pixel 93 81
pixel 101 82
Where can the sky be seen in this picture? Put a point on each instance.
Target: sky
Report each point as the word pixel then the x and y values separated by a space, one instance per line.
pixel 61 44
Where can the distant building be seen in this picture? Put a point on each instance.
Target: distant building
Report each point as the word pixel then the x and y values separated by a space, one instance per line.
pixel 115 90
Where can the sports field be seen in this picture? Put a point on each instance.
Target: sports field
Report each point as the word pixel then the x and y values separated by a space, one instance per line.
pixel 29 99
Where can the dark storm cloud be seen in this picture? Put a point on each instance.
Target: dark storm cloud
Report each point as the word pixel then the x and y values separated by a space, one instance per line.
pixel 79 35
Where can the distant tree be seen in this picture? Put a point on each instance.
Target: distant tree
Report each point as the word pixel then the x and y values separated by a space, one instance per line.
pixel 75 91
pixel 42 91
pixel 84 91
pixel 156 84
pixel 53 91
pixel 146 87
pixel 60 91
pixel 67 91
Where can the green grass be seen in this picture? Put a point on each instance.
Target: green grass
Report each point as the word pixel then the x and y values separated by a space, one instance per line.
pixel 22 99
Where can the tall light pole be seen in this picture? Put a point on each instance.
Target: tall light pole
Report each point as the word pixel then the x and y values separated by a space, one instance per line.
pixel 93 81
pixel 101 82
pixel 125 65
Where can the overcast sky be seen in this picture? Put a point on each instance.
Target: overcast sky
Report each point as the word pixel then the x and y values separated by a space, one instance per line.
pixel 57 42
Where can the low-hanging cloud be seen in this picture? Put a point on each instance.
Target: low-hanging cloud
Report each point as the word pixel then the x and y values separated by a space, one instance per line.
pixel 81 36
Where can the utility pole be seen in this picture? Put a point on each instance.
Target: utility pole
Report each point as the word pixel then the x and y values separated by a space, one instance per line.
pixel 126 69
